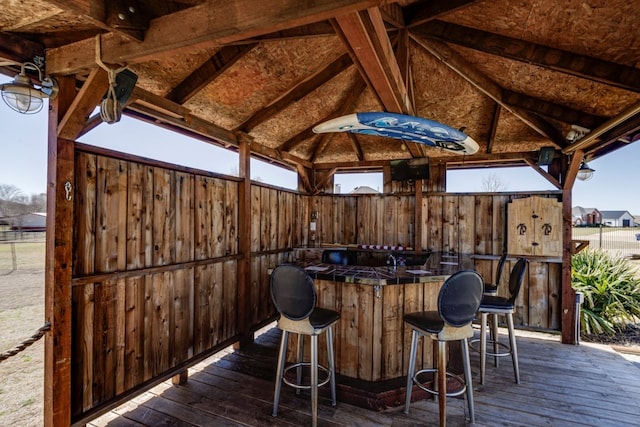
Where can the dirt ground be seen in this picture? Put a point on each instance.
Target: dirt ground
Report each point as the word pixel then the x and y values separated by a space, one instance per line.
pixel 22 313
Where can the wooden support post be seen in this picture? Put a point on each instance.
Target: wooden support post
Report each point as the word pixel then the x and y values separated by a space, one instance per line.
pixel 58 266
pixel 244 243
pixel 568 316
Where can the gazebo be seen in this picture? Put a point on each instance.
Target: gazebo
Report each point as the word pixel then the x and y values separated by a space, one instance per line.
pixel 152 267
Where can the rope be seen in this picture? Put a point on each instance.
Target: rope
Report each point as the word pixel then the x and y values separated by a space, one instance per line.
pixel 110 110
pixel 26 343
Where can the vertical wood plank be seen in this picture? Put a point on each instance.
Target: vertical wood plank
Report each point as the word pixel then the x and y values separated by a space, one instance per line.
pixel 163 217
pixel 184 216
pixel 434 224
pixel 538 294
pixel 483 236
pixel 392 328
pixel 231 217
pixel 85 206
pixel 134 332
pixel 365 331
pixel 202 218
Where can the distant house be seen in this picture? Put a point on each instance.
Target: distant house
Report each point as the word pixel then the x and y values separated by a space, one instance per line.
pixel 618 219
pixel 35 221
pixel 586 216
pixel 363 189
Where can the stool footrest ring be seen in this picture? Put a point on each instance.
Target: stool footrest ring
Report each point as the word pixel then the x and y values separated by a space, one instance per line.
pixel 321 382
pixel 458 378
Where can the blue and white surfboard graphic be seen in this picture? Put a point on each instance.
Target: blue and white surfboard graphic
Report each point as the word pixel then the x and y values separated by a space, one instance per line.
pixel 401 126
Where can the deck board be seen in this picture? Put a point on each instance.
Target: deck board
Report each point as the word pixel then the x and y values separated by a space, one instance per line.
pixel 561 385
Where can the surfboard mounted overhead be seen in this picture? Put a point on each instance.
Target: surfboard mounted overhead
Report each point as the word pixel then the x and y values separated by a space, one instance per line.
pixel 401 126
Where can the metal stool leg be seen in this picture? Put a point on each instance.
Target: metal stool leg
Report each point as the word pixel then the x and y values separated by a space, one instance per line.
pixel 279 372
pixel 483 345
pixel 494 327
pixel 467 379
pixel 442 382
pixel 300 359
pixel 411 370
pixel 514 348
pixel 314 380
pixel 332 369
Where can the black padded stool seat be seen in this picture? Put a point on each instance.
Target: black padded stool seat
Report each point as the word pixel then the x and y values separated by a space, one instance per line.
pixel 496 305
pixel 294 295
pixel 458 302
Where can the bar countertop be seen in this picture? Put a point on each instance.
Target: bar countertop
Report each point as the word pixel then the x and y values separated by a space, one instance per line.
pixel 438 266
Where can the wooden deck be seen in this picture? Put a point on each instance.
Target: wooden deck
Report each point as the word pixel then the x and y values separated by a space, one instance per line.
pixel 562 385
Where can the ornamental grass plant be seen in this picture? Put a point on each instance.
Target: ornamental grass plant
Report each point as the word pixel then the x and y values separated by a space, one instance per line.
pixel 611 289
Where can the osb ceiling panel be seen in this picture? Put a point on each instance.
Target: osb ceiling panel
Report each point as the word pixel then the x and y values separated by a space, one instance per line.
pixel 603 29
pixel 266 72
pixel 299 115
pixel 17 14
pixel 160 76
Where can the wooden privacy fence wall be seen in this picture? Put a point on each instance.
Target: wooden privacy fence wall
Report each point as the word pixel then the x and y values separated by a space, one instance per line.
pixel 155 262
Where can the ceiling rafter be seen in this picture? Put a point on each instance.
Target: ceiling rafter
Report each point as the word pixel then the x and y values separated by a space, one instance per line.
pixel 365 35
pixel 463 68
pixel 208 72
pixel 297 92
pixel 314 29
pixel 494 127
pixel 370 47
pixel 353 139
pixel 202 25
pixel 610 73
pixel 425 11
pixel 552 110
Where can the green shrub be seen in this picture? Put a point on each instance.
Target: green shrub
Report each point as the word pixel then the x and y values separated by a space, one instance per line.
pixel 611 291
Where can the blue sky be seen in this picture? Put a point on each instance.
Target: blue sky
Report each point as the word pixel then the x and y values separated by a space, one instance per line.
pixel 614 185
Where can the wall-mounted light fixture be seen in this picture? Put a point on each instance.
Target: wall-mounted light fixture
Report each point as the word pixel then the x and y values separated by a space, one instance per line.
pixel 585 172
pixel 22 96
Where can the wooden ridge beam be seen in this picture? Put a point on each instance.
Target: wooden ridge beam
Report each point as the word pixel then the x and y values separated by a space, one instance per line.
pixel 299 91
pixel 464 69
pixel 208 72
pixel 216 22
pixel 610 73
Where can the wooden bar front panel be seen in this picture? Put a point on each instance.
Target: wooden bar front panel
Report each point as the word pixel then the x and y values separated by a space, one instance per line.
pixel 371 341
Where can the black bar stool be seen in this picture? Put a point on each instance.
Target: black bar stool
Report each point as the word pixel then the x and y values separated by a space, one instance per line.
pixel 495 305
pixel 458 302
pixel 294 295
pixel 491 288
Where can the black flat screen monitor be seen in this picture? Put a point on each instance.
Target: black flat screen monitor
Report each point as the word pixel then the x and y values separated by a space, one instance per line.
pixel 409 169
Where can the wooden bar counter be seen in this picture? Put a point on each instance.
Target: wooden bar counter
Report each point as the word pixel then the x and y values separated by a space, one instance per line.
pixel 371 341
